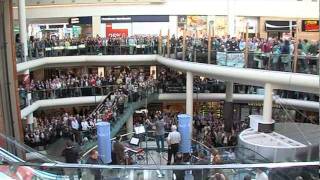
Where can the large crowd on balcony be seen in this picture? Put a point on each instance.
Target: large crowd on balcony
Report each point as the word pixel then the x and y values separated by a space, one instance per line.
pixel 271 53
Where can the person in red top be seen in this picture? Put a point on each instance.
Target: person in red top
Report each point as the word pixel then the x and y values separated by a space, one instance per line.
pixel 266 48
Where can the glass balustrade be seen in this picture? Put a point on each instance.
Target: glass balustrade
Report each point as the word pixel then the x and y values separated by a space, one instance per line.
pixel 256 60
pixel 182 170
pixel 33 165
pixel 42 94
pixel 209 86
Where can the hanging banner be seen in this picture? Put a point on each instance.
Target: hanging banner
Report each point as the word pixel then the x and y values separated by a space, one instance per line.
pixel 310 25
pixel 220 25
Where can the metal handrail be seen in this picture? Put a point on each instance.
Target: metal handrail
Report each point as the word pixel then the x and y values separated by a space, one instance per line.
pixel 173 167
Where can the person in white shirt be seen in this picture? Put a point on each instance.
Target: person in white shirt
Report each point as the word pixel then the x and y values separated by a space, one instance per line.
pixel 74 124
pixel 75 130
pixel 260 175
pixel 84 125
pixel 173 140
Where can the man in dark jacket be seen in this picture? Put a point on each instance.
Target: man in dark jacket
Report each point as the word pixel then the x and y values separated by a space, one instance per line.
pixel 94 159
pixel 201 174
pixel 71 154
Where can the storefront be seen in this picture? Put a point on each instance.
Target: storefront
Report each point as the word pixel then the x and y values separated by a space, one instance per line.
pixel 81 26
pixel 241 27
pixel 135 25
pixel 309 29
pixel 281 28
pixel 52 31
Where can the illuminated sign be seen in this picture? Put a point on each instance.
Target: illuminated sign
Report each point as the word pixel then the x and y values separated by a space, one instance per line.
pixel 310 25
pixel 136 18
pixel 80 20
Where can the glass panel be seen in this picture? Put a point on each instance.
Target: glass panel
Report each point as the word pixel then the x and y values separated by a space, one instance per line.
pixel 179 171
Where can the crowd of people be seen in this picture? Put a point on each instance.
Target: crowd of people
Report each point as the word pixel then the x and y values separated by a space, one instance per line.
pixel 71 85
pixel 46 128
pixel 133 86
pixel 273 53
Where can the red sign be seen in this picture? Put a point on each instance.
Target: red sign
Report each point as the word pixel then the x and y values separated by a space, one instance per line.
pixel 310 25
pixel 115 32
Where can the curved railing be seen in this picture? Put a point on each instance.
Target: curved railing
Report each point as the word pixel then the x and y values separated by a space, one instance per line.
pixel 279 171
pixel 12 166
pixel 95 91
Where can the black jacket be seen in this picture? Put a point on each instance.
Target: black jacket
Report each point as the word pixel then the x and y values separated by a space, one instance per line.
pixel 95 172
pixel 71 154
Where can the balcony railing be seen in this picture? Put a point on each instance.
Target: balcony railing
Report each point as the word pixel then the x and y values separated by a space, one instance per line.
pixel 257 60
pixel 13 166
pixel 165 87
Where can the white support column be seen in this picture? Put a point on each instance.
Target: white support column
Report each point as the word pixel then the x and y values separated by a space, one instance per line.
pixel 189 99
pixel 229 91
pixel 30 121
pixel 267 104
pixel 96 23
pixel 231 17
pixel 23 28
pixel 228 107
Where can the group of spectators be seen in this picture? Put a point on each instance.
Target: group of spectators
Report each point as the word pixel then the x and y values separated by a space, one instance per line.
pixel 171 81
pixel 46 128
pixel 273 52
pixel 210 131
pixel 112 45
pixel 71 85
pixel 131 87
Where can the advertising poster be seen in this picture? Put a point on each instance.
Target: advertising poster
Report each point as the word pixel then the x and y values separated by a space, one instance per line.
pixel 221 26
pixel 197 24
pixel 241 23
pixel 310 25
pixel 110 32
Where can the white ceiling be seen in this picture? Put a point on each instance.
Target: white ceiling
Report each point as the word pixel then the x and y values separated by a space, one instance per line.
pixel 69 2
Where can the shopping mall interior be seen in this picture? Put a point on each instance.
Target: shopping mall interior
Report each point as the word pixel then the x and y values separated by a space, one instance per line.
pixel 159 89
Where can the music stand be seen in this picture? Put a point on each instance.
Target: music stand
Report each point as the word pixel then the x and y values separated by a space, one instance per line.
pixel 140 130
pixel 134 141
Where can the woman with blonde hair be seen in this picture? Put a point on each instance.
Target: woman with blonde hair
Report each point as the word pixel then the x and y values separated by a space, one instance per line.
pixel 215 156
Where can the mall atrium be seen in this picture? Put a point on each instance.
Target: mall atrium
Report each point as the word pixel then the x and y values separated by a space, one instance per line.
pixel 159 89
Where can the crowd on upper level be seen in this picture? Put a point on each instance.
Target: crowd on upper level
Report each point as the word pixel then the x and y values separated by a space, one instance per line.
pixel 168 81
pixel 271 53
